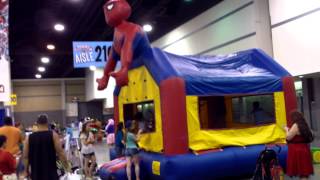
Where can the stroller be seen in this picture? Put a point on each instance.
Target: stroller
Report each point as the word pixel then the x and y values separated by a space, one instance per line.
pixel 268 167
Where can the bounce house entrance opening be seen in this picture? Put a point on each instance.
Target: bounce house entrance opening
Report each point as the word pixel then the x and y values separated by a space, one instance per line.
pixel 212 112
pixel 220 112
pixel 143 112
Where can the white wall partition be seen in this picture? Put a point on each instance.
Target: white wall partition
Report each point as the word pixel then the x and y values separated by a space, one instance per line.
pixel 282 10
pixel 5 82
pixel 295 33
pixel 220 25
pixel 227 27
pixel 91 88
pixel 203 19
pixel 240 45
pixel 288 30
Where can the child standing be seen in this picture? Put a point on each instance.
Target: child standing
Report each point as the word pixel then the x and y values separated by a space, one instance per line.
pixel 119 140
pixel 87 141
pixel 109 129
pixel 131 152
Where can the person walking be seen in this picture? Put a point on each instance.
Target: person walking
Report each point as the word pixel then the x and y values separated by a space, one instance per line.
pixel 299 160
pixel 13 135
pixel 41 150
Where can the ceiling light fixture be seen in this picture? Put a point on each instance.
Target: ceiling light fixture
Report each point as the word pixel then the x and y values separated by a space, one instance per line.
pixel 38 76
pixel 59 27
pixel 51 47
pixel 45 60
pixel 300 77
pixel 41 69
pixel 92 68
pixel 147 28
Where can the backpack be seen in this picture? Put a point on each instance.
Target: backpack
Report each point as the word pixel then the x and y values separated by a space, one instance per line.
pixel 268 167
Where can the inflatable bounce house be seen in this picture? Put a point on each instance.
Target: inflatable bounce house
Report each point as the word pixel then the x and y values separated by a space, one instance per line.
pixel 204 117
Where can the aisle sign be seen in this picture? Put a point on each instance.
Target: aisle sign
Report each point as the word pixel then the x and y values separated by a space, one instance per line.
pixel 86 54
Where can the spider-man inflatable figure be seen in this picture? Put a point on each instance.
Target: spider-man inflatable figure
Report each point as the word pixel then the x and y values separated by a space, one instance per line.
pixel 129 42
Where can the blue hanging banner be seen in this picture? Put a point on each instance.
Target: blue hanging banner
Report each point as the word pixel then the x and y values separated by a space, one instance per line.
pixel 86 54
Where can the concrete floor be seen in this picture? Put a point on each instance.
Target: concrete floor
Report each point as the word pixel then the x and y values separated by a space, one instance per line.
pixel 102 153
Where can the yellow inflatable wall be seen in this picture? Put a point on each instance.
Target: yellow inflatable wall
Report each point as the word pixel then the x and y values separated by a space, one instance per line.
pixel 210 139
pixel 141 88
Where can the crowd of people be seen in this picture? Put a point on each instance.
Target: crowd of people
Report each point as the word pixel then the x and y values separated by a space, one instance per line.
pixel 36 155
pixel 35 151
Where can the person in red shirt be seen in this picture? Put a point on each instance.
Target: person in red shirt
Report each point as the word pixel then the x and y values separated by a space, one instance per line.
pixel 7 161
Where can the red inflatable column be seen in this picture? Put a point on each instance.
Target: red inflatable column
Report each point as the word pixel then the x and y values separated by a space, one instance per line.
pixel 174 116
pixel 116 109
pixel 289 96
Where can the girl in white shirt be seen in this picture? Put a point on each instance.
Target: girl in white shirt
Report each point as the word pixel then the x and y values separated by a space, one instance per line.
pixel 87 140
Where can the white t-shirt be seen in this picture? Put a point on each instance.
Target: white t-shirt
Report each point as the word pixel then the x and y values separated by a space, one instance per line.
pixel 86 149
pixel 80 126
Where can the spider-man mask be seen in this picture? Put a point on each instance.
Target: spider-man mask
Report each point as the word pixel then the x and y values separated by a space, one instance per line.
pixel 116 11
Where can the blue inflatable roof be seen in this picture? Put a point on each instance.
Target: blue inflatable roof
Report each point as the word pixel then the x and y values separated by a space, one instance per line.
pixel 246 72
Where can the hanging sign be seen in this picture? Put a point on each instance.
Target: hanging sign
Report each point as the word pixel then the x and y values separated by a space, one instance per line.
pixel 86 54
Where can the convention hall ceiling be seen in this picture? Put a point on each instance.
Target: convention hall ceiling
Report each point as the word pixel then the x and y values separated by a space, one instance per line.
pixel 31 29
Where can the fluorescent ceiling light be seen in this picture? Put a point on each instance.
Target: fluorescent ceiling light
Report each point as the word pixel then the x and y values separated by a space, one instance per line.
pixel 38 76
pixel 51 47
pixel 41 69
pixel 59 27
pixel 45 60
pixel 147 27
